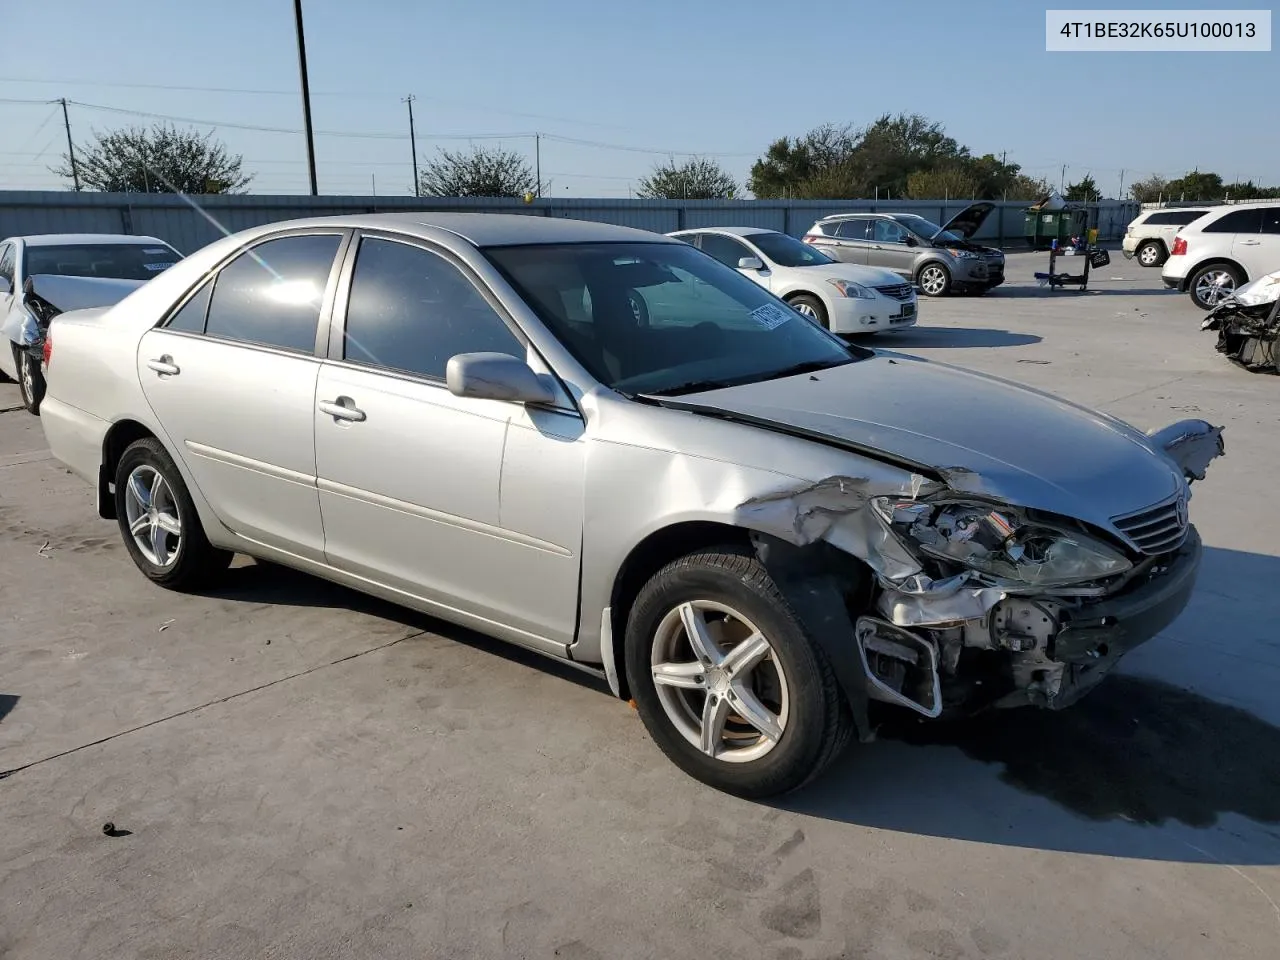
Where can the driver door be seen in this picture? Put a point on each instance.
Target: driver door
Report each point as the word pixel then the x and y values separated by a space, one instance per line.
pixel 889 248
pixel 729 251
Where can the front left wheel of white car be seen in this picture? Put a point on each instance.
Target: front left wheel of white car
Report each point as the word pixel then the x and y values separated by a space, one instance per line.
pixel 726 680
pixel 158 521
pixel 30 379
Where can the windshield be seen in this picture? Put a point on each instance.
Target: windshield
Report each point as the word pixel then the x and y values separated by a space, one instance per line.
pixel 663 318
pixel 787 251
pixel 926 228
pixel 121 261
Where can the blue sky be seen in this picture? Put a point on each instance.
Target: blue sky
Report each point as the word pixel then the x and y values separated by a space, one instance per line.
pixel 717 77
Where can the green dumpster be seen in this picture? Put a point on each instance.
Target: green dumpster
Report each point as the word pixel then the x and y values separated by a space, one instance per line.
pixel 1042 227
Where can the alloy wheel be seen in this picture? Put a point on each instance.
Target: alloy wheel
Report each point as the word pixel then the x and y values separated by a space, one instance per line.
pixel 933 281
pixel 805 310
pixel 27 376
pixel 1215 286
pixel 1148 255
pixel 719 681
pixel 152 513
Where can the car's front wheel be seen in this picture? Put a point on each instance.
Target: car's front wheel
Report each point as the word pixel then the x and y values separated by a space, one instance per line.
pixel 1151 254
pixel 806 304
pixel 30 380
pixel 726 680
pixel 158 521
pixel 1212 284
pixel 934 280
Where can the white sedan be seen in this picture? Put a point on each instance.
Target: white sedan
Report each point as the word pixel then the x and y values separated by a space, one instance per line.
pixel 845 298
pixel 43 275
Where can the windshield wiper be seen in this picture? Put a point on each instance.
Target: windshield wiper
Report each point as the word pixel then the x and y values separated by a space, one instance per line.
pixel 809 366
pixel 690 386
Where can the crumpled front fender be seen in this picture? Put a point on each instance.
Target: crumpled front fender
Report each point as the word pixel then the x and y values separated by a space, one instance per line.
pixel 1191 444
pixel 20 327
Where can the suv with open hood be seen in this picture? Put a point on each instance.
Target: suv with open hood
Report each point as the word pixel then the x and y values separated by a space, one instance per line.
pixel 938 259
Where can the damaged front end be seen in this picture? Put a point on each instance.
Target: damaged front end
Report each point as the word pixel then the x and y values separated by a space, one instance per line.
pixel 1248 325
pixel 968 602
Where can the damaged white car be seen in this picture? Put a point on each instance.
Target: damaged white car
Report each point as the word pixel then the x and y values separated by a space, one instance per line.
pixel 759 534
pixel 47 274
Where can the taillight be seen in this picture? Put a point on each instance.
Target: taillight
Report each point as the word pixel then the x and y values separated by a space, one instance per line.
pixel 46 351
pixel 1179 247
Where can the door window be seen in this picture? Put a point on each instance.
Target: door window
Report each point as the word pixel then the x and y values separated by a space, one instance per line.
pixel 725 249
pixel 271 294
pixel 890 231
pixel 412 310
pixel 1271 220
pixel 853 229
pixel 1238 221
pixel 191 316
pixel 6 263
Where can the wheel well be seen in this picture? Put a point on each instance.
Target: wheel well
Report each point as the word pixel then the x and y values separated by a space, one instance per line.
pixel 648 557
pixel 1217 262
pixel 1158 241
pixel 122 434
pixel 931 263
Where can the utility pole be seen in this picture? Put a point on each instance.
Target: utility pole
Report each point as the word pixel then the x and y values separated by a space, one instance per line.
pixel 1121 196
pixel 71 149
pixel 1062 184
pixel 537 160
pixel 413 144
pixel 306 95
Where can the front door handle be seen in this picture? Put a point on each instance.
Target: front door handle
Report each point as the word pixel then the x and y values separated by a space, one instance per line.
pixel 1250 243
pixel 164 366
pixel 343 408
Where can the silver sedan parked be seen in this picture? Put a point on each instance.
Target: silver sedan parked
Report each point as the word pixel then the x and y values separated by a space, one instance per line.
pixel 604 445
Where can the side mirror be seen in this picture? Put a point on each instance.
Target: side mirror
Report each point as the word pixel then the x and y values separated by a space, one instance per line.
pixel 910 241
pixel 496 376
pixel 750 263
pixel 5 285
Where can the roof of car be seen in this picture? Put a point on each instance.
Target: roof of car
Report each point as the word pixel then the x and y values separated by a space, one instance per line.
pixel 65 239
pixel 733 231
pixel 859 213
pixel 492 229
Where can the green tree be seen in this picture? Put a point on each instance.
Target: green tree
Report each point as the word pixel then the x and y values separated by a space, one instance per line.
pixel 1196 186
pixel 1085 189
pixel 1248 190
pixel 808 167
pixel 942 183
pixel 161 159
pixel 479 172
pixel 697 178
pixel 1149 190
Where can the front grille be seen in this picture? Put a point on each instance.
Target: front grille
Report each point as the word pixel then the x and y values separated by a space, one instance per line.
pixel 1157 529
pixel 899 291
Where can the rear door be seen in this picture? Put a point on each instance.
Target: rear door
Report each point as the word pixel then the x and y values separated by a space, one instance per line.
pixel 851 241
pixel 472 505
pixel 231 375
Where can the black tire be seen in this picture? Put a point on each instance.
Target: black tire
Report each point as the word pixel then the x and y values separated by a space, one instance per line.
pixel 819 725
pixel 1201 290
pixel 30 380
pixel 1151 254
pixel 195 560
pixel 927 272
pixel 812 307
pixel 639 308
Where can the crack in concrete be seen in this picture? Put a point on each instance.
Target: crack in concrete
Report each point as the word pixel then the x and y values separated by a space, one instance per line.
pixel 5 774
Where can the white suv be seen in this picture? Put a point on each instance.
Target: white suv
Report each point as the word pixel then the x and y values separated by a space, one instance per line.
pixel 1149 237
pixel 1223 250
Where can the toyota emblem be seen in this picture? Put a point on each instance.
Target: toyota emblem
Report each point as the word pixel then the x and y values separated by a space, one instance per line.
pixel 1180 511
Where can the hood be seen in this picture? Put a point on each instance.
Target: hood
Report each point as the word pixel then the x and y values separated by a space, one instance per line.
pixel 867 276
pixel 78 293
pixel 981 434
pixel 969 220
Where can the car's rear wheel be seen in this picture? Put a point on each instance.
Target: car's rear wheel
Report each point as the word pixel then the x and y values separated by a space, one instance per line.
pixel 934 280
pixel 158 520
pixel 726 680
pixel 1151 254
pixel 30 380
pixel 810 306
pixel 1212 284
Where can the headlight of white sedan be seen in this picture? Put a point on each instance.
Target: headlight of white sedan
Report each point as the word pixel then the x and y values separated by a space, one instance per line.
pixel 1000 542
pixel 856 291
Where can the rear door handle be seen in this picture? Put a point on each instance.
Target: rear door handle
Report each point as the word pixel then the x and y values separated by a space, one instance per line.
pixel 1250 243
pixel 164 366
pixel 344 408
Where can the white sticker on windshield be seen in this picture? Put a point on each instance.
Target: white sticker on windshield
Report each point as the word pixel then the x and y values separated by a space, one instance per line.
pixel 770 316
pixel 156 267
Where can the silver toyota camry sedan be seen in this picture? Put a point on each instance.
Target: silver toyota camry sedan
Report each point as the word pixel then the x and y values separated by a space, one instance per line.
pixel 604 445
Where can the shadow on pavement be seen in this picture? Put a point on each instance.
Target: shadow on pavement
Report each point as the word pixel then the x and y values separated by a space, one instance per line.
pixel 1126 288
pixel 948 337
pixel 7 702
